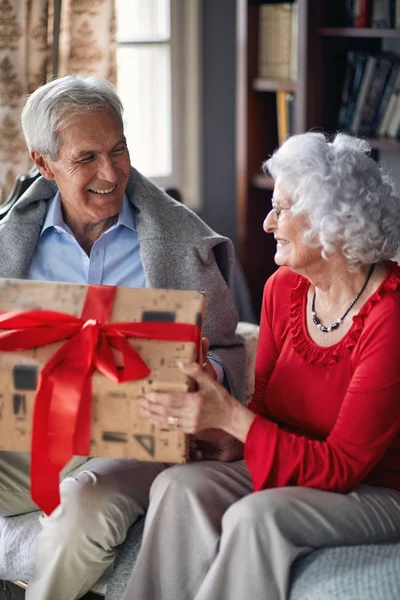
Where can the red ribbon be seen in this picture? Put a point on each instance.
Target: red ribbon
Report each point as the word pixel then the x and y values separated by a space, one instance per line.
pixel 62 413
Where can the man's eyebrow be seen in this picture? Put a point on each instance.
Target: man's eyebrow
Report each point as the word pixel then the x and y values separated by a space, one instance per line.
pixel 122 140
pixel 82 153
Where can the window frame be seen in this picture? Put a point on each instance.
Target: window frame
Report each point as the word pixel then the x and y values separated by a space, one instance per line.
pixel 186 115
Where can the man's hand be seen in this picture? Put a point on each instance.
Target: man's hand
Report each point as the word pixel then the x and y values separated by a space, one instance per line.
pixel 215 444
pixel 207 366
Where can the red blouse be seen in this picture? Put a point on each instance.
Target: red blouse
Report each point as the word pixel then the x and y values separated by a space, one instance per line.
pixel 326 417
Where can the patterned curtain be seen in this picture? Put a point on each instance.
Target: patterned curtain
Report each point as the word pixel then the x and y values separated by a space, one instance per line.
pixel 87 46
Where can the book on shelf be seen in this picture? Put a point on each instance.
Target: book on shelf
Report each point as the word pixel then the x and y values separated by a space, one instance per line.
pixel 394 123
pixel 385 98
pixel 285 110
pixel 349 13
pixel 294 43
pixel 362 13
pixel 389 114
pixel 360 59
pixel 375 93
pixel 343 119
pixel 366 82
pixel 370 98
pixel 277 51
pixel 383 13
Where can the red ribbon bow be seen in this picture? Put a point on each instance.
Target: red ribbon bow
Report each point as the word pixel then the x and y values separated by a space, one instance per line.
pixel 62 413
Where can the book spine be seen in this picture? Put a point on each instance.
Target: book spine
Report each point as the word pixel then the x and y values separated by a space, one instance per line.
pixel 374 95
pixel 362 95
pixel 380 14
pixel 275 32
pixel 397 14
pixel 346 90
pixel 291 104
pixel 282 115
pixel 363 13
pixel 359 66
pixel 293 43
pixel 349 13
pixel 392 13
pixel 387 92
pixel 387 117
pixel 395 120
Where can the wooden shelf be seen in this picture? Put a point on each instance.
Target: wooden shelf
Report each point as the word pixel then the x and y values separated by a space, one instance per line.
pixel 273 85
pixel 263 182
pixel 359 32
pixel 391 145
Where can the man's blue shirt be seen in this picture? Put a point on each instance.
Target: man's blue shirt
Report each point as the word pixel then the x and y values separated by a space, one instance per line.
pixel 114 258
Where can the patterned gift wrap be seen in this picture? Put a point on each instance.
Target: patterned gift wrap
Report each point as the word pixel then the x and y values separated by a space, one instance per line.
pixel 117 429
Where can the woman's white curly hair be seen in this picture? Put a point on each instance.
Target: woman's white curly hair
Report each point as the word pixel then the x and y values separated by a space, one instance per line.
pixel 351 203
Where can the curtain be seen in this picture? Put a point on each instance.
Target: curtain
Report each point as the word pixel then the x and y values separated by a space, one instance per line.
pixel 86 46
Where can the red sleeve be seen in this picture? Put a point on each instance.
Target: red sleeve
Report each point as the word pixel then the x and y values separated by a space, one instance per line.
pixel 367 423
pixel 267 354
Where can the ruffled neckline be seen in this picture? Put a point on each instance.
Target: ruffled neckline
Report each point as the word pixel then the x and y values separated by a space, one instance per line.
pixel 325 356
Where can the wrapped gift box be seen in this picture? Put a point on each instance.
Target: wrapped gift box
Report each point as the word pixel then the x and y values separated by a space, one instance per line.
pixel 117 429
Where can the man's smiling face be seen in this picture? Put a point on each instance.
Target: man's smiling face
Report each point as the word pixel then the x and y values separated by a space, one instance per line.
pixel 92 167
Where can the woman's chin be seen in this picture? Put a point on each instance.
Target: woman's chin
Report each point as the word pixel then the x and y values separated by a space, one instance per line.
pixel 279 259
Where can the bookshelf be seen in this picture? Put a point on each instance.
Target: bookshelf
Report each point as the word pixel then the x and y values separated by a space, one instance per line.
pixel 356 32
pixel 322 46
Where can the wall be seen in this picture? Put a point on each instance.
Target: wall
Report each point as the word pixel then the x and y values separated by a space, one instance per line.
pixel 219 72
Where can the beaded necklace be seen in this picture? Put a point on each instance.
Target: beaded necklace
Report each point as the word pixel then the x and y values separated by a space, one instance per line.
pixel 336 323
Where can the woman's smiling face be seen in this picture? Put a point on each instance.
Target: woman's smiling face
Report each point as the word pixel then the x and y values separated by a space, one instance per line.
pixel 288 231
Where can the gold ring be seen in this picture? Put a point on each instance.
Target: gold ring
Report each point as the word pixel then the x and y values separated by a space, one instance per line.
pixel 174 421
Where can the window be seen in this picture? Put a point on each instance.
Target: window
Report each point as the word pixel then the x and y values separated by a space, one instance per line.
pixel 158 81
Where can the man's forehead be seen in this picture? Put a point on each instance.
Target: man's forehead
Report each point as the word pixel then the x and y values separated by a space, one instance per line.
pixel 90 125
pixel 80 145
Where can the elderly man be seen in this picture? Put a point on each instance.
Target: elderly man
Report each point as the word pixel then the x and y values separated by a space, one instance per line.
pixel 91 218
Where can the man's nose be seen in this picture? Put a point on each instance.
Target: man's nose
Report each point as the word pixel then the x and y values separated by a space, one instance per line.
pixel 107 170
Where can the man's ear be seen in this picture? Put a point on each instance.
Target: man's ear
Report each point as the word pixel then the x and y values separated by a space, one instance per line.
pixel 43 164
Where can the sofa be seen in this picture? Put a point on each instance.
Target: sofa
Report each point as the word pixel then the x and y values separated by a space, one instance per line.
pixel 368 572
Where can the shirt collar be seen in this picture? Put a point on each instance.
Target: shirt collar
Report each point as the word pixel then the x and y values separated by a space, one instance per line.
pixel 54 217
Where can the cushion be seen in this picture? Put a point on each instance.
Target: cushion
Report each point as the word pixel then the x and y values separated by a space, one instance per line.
pixel 342 573
pixel 17 549
pixel 368 572
pixel 17 545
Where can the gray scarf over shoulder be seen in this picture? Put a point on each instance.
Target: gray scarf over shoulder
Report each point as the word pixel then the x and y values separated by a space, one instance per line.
pixel 178 250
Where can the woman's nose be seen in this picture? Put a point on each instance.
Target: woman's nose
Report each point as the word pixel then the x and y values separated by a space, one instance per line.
pixel 270 222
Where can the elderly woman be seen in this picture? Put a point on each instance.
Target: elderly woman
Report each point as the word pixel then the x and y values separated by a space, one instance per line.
pixel 321 435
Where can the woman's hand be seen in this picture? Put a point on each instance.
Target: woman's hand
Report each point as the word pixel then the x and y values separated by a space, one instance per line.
pixel 211 406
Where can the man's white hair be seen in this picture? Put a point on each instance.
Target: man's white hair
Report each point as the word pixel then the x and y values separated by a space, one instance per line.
pixel 53 106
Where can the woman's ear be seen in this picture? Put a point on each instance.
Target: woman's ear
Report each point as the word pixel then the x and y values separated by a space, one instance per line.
pixel 43 164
